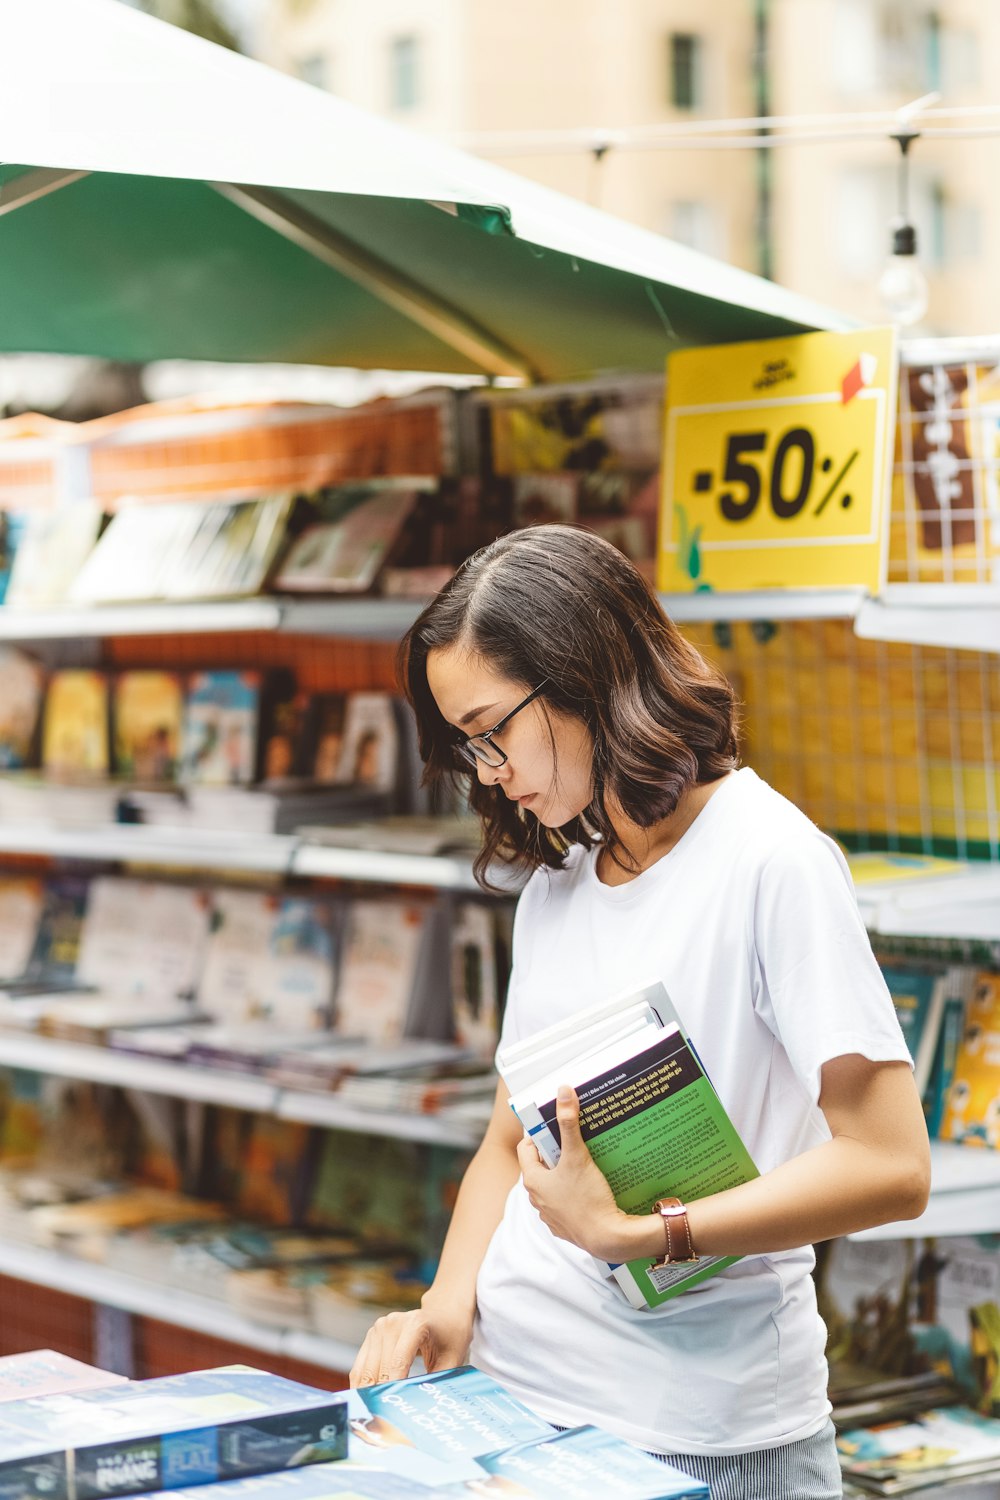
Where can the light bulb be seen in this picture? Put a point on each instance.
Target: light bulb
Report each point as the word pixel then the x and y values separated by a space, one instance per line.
pixel 902 287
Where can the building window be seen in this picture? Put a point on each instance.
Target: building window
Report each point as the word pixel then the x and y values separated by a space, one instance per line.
pixel 684 70
pixel 695 223
pixel 314 69
pixel 404 82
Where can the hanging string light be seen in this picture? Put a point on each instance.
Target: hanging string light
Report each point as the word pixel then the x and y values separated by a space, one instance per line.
pixel 902 287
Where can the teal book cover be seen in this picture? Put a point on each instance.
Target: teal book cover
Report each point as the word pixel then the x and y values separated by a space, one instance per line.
pixel 432 1428
pixel 587 1461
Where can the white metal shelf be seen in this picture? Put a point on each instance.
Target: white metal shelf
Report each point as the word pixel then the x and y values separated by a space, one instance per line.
pixel 965 1196
pixel 377 619
pixel 707 606
pixel 167 1304
pixel 960 616
pixel 956 615
pixel 181 848
pixel 266 854
pixel 382 867
pixel 181 1080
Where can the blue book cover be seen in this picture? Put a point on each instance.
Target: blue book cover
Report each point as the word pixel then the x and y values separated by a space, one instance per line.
pixel 587 1461
pixel 165 1434
pixel 943 1066
pixel 918 998
pixel 221 714
pixel 345 1481
pixel 432 1428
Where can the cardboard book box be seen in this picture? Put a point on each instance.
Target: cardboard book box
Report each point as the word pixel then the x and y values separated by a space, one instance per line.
pixel 162 1434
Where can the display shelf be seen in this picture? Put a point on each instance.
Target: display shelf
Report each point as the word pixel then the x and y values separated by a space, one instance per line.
pixel 166 1303
pixel 331 1113
pixel 960 616
pixel 265 854
pixel 706 606
pixel 180 848
pixel 382 867
pixel 965 1196
pixel 962 905
pixel 178 1080
pixel 375 619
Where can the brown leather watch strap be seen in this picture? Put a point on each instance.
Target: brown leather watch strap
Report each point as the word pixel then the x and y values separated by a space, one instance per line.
pixel 679 1244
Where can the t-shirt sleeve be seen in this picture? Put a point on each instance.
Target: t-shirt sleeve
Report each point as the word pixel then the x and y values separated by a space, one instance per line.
pixel 819 988
pixel 512 1027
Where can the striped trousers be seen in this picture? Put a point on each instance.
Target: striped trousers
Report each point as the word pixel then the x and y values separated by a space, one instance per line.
pixel 806 1470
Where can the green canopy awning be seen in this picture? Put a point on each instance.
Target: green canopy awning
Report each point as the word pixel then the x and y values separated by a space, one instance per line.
pixel 165 198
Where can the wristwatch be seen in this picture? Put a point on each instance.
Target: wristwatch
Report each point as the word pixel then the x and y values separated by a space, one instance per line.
pixel 679 1245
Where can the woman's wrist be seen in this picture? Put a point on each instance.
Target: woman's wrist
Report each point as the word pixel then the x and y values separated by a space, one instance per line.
pixel 631 1237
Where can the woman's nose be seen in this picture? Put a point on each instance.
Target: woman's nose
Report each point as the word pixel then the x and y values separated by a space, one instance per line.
pixel 491 775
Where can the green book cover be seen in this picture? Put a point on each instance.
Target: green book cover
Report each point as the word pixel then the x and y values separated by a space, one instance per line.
pixel 656 1128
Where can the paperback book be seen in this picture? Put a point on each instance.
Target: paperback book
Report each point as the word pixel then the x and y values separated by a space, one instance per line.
pixel 972 1111
pixel 159 1434
pixel 936 1448
pixel 648 1113
pixel 22 685
pixel 918 996
pixel 221 718
pixel 147 717
pixel 75 736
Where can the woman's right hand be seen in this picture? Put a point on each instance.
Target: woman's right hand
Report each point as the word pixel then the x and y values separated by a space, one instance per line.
pixel 434 1331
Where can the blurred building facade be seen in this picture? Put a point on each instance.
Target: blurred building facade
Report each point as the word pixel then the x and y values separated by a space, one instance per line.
pixel 816 217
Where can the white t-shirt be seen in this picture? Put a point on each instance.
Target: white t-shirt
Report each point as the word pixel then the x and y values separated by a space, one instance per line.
pixel 752 925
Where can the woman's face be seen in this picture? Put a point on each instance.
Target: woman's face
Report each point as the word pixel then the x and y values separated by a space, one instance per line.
pixel 549 754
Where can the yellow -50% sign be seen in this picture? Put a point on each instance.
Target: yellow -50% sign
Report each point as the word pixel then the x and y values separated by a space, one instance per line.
pixel 777 463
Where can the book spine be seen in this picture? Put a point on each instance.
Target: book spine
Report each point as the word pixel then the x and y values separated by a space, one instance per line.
pixel 539 1133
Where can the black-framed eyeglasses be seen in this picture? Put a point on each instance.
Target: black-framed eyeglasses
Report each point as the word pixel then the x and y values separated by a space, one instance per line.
pixel 473 747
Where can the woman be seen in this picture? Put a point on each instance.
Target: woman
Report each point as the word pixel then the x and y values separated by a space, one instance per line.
pixel 602 754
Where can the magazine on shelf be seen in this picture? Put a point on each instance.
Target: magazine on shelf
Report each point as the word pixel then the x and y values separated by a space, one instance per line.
pixel 147 715
pixel 53 547
pixel 369 755
pixel 475 980
pixel 344 555
pixel 22 688
pixel 44 1372
pixel 919 992
pixel 22 901
pixel 644 1101
pixel 269 957
pixel 936 1448
pixel 402 834
pixel 972 1112
pixel 143 937
pixel 389 987
pixel 75 729
pixel 152 1434
pixel 221 717
pixel 961 979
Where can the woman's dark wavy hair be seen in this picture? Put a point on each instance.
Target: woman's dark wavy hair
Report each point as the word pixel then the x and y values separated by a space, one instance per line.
pixel 560 604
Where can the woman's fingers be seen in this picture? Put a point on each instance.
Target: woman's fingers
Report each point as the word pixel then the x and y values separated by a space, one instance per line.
pixel 390 1347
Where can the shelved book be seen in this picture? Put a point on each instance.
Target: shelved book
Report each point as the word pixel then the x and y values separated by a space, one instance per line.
pixel 156 1434
pixel 648 1113
pixel 972 1110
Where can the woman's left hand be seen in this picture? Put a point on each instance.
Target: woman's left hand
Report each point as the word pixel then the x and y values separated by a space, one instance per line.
pixel 573 1199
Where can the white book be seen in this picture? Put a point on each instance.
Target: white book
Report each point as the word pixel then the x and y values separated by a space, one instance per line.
pixel 653 993
pixel 524 1072
pixel 378 976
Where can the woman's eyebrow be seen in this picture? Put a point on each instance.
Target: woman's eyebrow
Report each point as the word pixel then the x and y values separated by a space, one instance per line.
pixel 475 712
